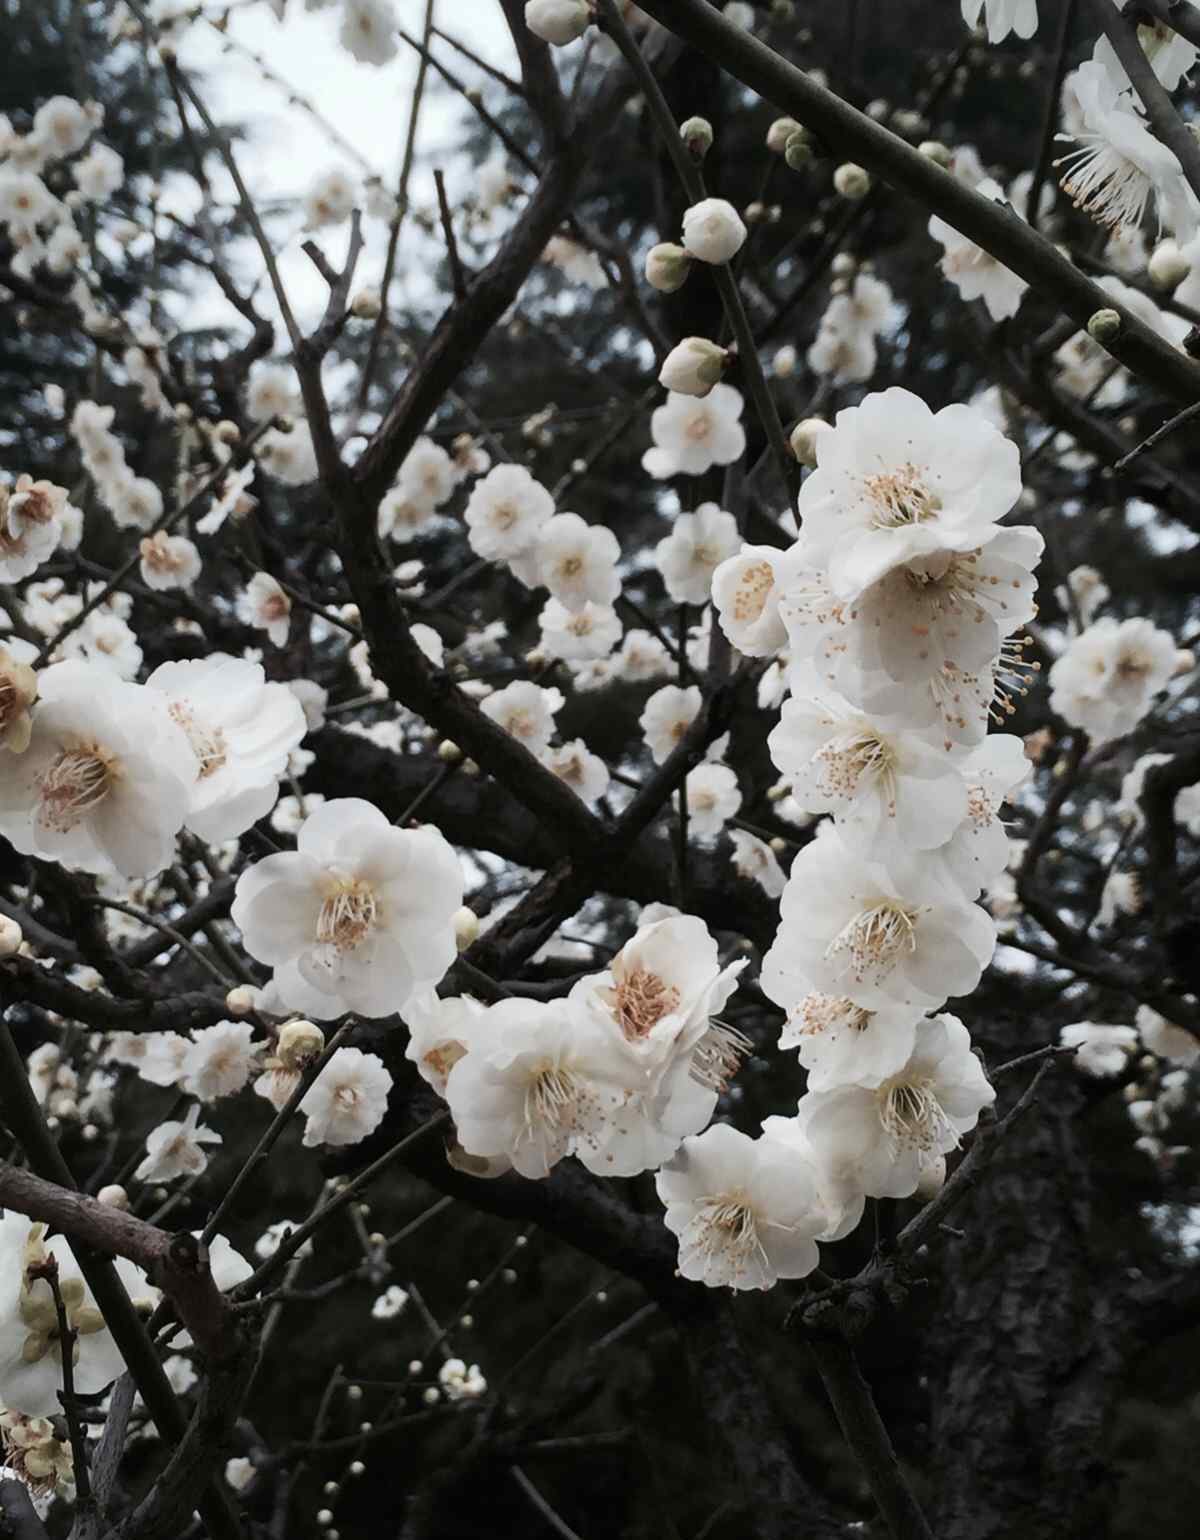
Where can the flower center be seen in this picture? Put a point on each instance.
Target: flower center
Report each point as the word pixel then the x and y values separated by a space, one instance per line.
pixel 901 498
pixel 504 515
pixel 74 785
pixel 698 429
pixel 208 743
pixel 640 1000
pixel 571 566
pixel 853 756
pixel 718 1056
pixel 726 1225
pixel 875 939
pixel 1102 182
pixel 819 1013
pixel 912 1116
pixel 750 597
pixel 347 916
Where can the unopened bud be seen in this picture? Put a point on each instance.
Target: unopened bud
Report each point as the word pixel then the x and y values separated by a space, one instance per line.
pixel 667 267
pixel 366 304
pixel 780 132
pixel 804 436
pixel 466 927
pixel 1104 326
pixel 693 367
pixel 697 134
pixel 449 753
pixel 114 1196
pixel 937 152
pixel 798 152
pixel 240 1000
pixel 227 432
pixel 852 181
pixel 11 937
pixel 1168 266
pixel 299 1043
pixel 283 424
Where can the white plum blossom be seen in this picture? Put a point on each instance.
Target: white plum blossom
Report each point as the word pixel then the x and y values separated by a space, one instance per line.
pixel 746 1211
pixel 105 781
pixel 578 635
pixel 754 858
pixel 272 392
pixel 667 715
pixel 584 772
pixel 427 474
pixel 841 1043
pixel 1108 676
pixel 884 1137
pixel 359 917
pixel 1101 1050
pixel 329 200
pixel 697 545
pixel 169 561
pixel 974 272
pixel 746 591
pixel 575 262
pixel 1164 1039
pixel 31 1371
pixel 506 512
pixel 976 854
pixel 368 30
pixel 525 710
pixel 713 231
pixel 241 730
pixel 390 1303
pixel 692 434
pixel 713 799
pixel 898 935
pixel 577 562
pixel 1020 17
pixel 220 1061
pixel 347 1100
pixel 642 656
pixel 440 1031
pixel 263 604
pixel 175 1149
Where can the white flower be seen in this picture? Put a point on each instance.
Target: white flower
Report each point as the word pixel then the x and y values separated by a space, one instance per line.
pixel 158 1057
pixel 25 542
pixel 289 457
pixel 1165 1039
pixel 895 481
pixel 667 716
pixel 1102 1050
pixel 693 366
pixel 1171 56
pixel 975 856
pixel 584 772
pixel 428 474
pixel 642 656
pixel 974 272
pixel 1108 676
pixel 402 513
pixel 578 635
pixel 104 784
pixel 108 641
pixel 460 1383
pixel 844 347
pixel 526 711
pixel 840 1043
pixel 902 936
pixel 691 435
pixel 1120 162
pixel 169 561
pixel 746 591
pixel 358 917
pixel 220 1060
pixel 505 513
pixel 99 174
pixel 368 30
pixel 697 545
pixel 176 1149
pixel 713 231
pixel 30 1355
pixel 390 1303
pixel 440 1031
pixel 1019 17
pixel 754 858
pixel 18 691
pixel 886 787
pixel 241 730
pixel 239 1472
pixel 25 201
pixel 329 200
pixel 313 699
pixel 347 1100
pixel 264 605
pixel 884 1137
pixel 542 1086
pixel 272 392
pixel 558 21
pixel 713 799
pixel 577 562
pixel 575 262
pixel 63 124
pixel 746 1211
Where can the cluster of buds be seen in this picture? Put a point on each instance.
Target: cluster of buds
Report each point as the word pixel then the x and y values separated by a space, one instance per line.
pixel 36 1455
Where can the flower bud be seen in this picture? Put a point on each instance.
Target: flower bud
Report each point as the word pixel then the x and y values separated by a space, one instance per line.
pixel 937 152
pixel 697 134
pixel 299 1043
pixel 449 753
pixel 693 367
pixel 667 267
pixel 783 365
pixel 11 937
pixel 1168 266
pixel 241 1000
pixel 227 432
pixel 852 181
pixel 557 21
pixel 799 152
pixel 1104 326
pixel 114 1196
pixel 713 230
pixel 466 927
pixel 366 304
pixel 780 132
pixel 804 436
